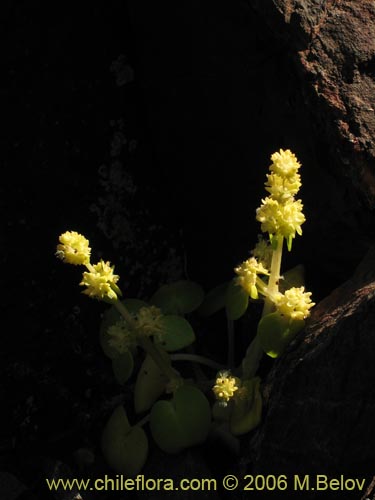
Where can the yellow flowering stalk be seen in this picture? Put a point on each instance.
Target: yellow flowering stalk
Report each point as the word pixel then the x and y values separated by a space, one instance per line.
pixel 73 248
pixel 281 216
pixel 225 387
pixel 101 283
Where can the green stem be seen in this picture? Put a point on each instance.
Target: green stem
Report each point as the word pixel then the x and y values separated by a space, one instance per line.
pixel 143 421
pixel 230 327
pixel 146 343
pixel 254 353
pixel 195 358
pixel 125 314
pixel 273 282
pixel 150 348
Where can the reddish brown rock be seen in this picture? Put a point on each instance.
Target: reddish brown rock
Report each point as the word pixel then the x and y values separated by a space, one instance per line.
pixel 333 43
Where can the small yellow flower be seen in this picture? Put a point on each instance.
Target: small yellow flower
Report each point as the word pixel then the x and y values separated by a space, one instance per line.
pixel 73 248
pixel 284 163
pixel 101 282
pixel 247 275
pixel 225 387
pixel 283 219
pixel 295 303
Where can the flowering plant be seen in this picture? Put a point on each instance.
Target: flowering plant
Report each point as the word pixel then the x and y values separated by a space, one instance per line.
pixel 158 328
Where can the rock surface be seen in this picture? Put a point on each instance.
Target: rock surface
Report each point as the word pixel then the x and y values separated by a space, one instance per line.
pixel 319 397
pixel 333 43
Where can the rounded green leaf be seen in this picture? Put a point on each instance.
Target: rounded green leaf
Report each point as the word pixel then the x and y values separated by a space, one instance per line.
pixel 177 333
pixel 181 297
pixel 214 300
pixel 111 317
pixel 122 366
pixel 125 448
pixel 276 332
pixel 150 384
pixel 166 428
pixel 182 422
pixel 194 411
pixel 236 301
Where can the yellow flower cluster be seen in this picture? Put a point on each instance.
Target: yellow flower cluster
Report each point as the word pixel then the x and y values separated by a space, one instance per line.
pixel 284 219
pixel 101 282
pixel 225 387
pixel 122 338
pixel 285 164
pixel 73 248
pixel 263 252
pixel 100 279
pixel 279 213
pixel 148 322
pixel 295 303
pixel 282 188
pixel 248 276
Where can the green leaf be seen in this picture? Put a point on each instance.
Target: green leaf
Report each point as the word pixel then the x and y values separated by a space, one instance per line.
pixel 166 428
pixel 182 422
pixel 247 412
pixel 214 300
pixel 236 301
pixel 181 297
pixel 276 332
pixel 125 448
pixel 177 333
pixel 122 366
pixel 150 383
pixel 111 317
pixel 194 411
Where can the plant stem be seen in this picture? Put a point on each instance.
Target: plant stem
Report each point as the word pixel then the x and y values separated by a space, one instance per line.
pixel 230 327
pixel 151 349
pixel 254 353
pixel 143 421
pixel 146 343
pixel 125 314
pixel 273 282
pixel 195 358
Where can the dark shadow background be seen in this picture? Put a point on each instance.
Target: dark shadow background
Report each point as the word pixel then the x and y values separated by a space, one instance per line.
pixel 147 127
